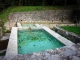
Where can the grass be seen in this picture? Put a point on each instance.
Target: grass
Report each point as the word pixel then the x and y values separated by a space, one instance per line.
pixel 74 29
pixel 31 8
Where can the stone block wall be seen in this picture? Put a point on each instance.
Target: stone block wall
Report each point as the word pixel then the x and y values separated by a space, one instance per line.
pixel 50 15
pixel 69 35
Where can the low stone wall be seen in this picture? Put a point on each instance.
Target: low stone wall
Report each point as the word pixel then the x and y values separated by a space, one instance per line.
pixel 69 35
pixel 50 15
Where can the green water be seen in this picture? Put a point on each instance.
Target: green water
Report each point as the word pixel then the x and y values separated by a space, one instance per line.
pixel 30 41
pixel 28 25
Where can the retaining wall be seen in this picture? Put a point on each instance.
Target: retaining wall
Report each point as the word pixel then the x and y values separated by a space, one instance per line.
pixel 50 15
pixel 69 35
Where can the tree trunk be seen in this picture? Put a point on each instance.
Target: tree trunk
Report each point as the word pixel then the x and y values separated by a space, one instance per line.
pixel 65 2
pixel 43 2
pixel 25 2
pixel 19 2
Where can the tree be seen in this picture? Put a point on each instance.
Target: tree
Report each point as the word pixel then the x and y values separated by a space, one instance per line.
pixel 43 2
pixel 65 2
pixel 78 1
pixel 2 5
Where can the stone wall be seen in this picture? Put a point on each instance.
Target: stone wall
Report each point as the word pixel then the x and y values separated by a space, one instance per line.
pixel 69 35
pixel 50 15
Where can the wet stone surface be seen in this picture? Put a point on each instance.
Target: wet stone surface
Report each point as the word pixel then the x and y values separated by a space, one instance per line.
pixel 64 53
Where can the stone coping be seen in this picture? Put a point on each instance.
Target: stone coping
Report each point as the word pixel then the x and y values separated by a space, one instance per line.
pixel 19 25
pixel 12 49
pixel 12 44
pixel 59 37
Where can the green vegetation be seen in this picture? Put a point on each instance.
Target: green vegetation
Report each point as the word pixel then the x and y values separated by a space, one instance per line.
pixel 74 29
pixel 31 8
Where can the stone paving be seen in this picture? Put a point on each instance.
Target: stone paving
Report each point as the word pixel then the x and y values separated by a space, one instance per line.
pixel 64 53
pixel 12 44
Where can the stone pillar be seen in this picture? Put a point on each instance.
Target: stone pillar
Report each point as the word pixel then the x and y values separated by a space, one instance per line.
pixel 0 32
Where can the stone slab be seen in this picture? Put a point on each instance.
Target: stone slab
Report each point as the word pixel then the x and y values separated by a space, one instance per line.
pixel 59 37
pixel 12 45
